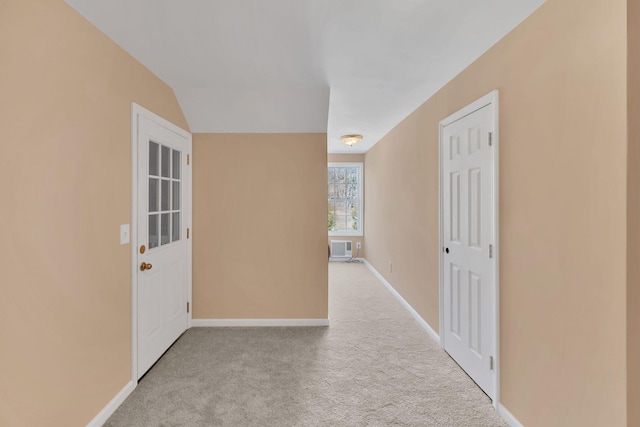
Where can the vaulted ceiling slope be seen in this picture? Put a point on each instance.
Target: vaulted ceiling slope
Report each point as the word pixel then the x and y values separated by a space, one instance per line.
pixel 335 66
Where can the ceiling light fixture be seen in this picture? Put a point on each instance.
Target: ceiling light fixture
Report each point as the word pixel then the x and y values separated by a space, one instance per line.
pixel 351 140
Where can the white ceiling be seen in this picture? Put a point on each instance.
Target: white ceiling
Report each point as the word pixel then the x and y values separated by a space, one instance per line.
pixel 335 66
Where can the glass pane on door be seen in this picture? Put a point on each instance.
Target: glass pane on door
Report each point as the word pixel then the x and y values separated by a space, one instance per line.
pixel 175 234
pixel 154 158
pixel 165 226
pixel 176 196
pixel 166 162
pixel 154 195
pixel 153 231
pixel 165 194
pixel 176 164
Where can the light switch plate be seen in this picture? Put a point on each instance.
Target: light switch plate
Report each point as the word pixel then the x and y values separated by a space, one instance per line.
pixel 124 234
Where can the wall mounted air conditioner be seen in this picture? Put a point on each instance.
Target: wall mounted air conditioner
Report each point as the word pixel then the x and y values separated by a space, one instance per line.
pixel 341 248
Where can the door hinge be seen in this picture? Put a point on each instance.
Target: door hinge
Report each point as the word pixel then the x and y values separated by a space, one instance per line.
pixel 490 251
pixel 490 138
pixel 491 363
pixel 187 307
pixel 187 233
pixel 187 159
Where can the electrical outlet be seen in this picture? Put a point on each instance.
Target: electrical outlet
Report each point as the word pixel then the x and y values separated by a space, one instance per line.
pixel 358 245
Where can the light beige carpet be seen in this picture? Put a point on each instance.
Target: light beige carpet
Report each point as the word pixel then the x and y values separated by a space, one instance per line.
pixel 374 366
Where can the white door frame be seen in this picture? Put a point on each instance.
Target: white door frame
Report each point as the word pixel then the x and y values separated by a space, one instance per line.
pixel 138 111
pixel 489 99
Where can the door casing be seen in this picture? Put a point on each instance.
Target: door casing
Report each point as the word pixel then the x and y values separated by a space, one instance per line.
pixel 138 111
pixel 492 100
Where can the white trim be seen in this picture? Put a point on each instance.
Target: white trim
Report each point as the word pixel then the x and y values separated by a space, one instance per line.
pixel 230 323
pixel 111 407
pixel 496 241
pixel 508 417
pixel 344 259
pixel 136 111
pixel 343 233
pixel 404 302
pixel 489 99
pixel 360 166
pixel 189 219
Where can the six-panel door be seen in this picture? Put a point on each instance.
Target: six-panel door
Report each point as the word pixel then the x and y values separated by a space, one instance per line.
pixel 467 178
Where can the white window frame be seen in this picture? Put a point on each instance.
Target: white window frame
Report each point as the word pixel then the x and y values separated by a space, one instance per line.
pixel 360 167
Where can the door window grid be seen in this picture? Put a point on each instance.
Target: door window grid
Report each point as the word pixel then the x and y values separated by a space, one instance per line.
pixel 164 195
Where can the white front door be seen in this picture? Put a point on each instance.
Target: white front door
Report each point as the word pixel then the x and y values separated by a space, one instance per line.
pixel 163 261
pixel 468 247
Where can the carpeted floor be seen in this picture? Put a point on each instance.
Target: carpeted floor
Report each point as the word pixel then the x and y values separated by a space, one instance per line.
pixel 374 366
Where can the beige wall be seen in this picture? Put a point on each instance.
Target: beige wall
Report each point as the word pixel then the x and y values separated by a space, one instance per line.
pixel 259 226
pixel 562 81
pixel 401 213
pixel 349 158
pixel 633 214
pixel 345 158
pixel 65 330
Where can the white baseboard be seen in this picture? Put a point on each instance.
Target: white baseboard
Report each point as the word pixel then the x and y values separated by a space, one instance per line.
pixel 508 416
pixel 111 407
pixel 399 297
pixel 225 323
pixel 344 259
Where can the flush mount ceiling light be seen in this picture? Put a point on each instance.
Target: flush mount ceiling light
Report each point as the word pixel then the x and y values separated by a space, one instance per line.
pixel 351 140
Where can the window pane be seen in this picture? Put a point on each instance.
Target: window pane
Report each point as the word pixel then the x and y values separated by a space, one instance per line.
pixel 153 158
pixel 351 191
pixel 175 195
pixel 341 208
pixel 166 161
pixel 165 226
pixel 331 215
pixel 165 195
pixel 176 164
pixel 332 175
pixel 352 177
pixel 341 223
pixel 175 235
pixel 154 188
pixel 153 231
pixel 353 220
pixel 341 191
pixel 341 176
pixel 333 194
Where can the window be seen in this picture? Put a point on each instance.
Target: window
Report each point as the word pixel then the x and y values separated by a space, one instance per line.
pixel 345 199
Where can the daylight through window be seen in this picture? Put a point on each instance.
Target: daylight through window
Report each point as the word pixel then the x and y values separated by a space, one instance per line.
pixel 345 199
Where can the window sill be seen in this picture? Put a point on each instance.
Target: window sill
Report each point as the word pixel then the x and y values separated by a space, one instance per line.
pixel 345 234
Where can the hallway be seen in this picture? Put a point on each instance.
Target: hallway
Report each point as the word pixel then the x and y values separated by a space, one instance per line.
pixel 373 366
